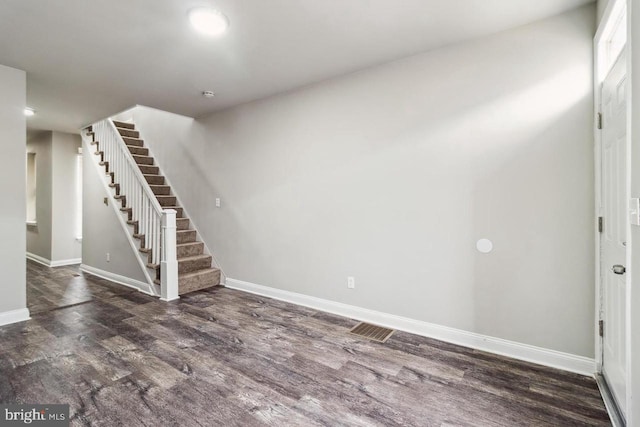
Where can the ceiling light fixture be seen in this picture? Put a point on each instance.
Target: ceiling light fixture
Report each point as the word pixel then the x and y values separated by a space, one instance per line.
pixel 28 111
pixel 208 94
pixel 208 21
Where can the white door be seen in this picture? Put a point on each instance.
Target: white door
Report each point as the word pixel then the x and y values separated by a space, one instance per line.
pixel 613 238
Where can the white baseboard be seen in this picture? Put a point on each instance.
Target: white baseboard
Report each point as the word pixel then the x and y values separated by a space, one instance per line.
pixel 39 259
pixel 49 263
pixel 64 262
pixel 113 277
pixel 14 316
pixel 542 356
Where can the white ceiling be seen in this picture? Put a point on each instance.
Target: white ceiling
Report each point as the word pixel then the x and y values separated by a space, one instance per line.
pixel 88 59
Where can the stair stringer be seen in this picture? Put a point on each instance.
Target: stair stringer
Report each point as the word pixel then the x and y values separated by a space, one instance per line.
pixel 153 289
pixel 207 251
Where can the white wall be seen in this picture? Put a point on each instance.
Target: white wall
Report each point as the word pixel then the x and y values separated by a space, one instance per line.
pixel 65 245
pixel 13 212
pixel 101 231
pixel 39 235
pixel 392 174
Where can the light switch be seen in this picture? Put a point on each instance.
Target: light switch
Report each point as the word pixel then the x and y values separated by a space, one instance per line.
pixel 634 211
pixel 217 202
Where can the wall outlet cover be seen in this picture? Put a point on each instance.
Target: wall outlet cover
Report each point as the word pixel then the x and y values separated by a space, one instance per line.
pixel 634 211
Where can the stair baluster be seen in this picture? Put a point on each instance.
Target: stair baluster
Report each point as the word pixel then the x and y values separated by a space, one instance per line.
pixel 155 227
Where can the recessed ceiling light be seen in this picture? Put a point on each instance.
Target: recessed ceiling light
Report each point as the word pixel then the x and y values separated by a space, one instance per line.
pixel 29 111
pixel 208 21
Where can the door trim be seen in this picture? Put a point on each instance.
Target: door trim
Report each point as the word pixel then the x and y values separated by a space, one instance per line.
pixel 605 28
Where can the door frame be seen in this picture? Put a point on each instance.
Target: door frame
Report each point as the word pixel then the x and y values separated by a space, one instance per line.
pixel 604 31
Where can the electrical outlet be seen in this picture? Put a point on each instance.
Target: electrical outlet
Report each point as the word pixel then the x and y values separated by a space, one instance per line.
pixel 217 202
pixel 108 257
pixel 351 282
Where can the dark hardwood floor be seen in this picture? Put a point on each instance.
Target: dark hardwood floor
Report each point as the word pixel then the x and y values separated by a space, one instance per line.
pixel 226 358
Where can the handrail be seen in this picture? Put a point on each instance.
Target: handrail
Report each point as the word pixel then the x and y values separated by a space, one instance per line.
pixel 136 169
pixel 155 224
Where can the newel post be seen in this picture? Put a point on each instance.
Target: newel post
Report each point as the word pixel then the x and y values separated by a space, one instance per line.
pixel 169 261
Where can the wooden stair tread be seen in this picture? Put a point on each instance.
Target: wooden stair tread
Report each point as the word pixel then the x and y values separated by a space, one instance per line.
pixel 184 259
pixel 182 223
pixel 138 151
pixel 198 272
pixel 145 170
pixel 143 160
pixel 194 257
pixel 165 200
pixel 135 142
pixel 128 132
pixel 160 189
pixel 124 125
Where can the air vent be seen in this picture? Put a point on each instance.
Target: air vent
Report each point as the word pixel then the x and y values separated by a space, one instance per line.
pixel 372 332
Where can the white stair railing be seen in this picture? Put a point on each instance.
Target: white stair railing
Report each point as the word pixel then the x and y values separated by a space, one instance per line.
pixel 158 226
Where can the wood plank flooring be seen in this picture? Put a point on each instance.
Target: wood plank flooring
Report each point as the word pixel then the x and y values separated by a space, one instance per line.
pixel 226 358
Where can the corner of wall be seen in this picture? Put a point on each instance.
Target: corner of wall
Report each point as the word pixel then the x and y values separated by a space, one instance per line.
pixel 13 171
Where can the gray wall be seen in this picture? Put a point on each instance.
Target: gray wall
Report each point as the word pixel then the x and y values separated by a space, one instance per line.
pixel 65 245
pixel 392 174
pixel 54 237
pixel 601 6
pixel 39 235
pixel 101 231
pixel 13 174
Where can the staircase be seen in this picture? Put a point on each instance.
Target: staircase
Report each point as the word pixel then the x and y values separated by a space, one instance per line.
pixel 195 270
